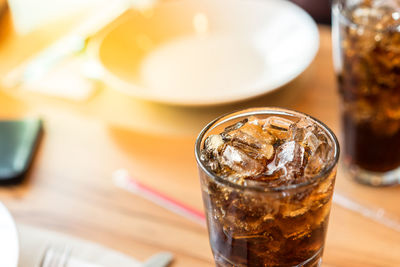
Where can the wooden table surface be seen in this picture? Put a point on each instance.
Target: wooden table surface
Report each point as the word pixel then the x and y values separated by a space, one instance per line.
pixel 69 187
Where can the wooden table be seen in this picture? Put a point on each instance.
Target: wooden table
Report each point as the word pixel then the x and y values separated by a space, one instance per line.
pixel 69 187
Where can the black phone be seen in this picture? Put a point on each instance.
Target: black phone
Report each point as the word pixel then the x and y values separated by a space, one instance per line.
pixel 19 140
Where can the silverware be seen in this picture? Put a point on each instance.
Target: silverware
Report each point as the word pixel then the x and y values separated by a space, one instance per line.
pixel 162 259
pixel 61 257
pixel 56 257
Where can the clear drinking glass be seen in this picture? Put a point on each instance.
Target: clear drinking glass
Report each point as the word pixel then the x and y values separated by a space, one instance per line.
pixel 256 225
pixel 366 40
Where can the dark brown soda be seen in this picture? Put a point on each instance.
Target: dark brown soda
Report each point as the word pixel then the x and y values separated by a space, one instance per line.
pixel 369 84
pixel 369 150
pixel 269 202
pixel 257 252
pixel 239 237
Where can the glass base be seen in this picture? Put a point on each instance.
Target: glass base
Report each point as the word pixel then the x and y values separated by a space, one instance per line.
pixel 314 261
pixel 374 178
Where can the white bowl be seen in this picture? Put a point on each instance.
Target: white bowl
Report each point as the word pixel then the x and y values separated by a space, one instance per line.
pixel 190 52
pixel 9 245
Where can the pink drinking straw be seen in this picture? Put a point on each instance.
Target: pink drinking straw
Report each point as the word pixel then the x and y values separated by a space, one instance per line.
pixel 123 180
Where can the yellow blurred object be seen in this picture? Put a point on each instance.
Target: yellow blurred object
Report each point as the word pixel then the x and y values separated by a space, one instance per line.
pixel 3 5
pixel 29 16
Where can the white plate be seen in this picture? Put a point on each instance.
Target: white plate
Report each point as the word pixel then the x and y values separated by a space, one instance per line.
pixel 190 52
pixel 9 249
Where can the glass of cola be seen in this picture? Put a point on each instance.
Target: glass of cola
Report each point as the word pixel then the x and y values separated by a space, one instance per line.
pixel 366 41
pixel 267 177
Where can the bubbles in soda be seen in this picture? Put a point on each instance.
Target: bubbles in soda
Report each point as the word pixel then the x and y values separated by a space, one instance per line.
pixel 369 83
pixel 279 228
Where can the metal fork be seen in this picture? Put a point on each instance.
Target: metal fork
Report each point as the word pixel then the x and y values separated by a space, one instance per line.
pixel 55 257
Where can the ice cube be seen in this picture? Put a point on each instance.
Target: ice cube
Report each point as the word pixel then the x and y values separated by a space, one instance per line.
pixel 258 136
pixel 240 162
pixel 213 142
pixel 298 133
pixel 273 151
pixel 286 153
pixel 303 132
pixel 254 141
pixel 209 155
pixel 289 159
pixel 235 126
pixel 278 127
pixel 311 141
pixel 318 159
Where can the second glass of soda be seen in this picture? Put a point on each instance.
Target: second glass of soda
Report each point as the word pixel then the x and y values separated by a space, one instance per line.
pixel 366 40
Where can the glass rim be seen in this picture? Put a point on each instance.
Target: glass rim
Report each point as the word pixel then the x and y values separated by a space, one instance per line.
pixel 339 9
pixel 266 111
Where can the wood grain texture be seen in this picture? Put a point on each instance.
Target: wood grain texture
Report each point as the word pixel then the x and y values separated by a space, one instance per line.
pixel 69 187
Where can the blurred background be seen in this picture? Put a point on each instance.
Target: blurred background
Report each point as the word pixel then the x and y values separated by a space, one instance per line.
pixel 129 84
pixel 71 37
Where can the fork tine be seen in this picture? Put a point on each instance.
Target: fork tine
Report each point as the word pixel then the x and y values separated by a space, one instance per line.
pixel 53 257
pixel 46 258
pixel 56 257
pixel 64 256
